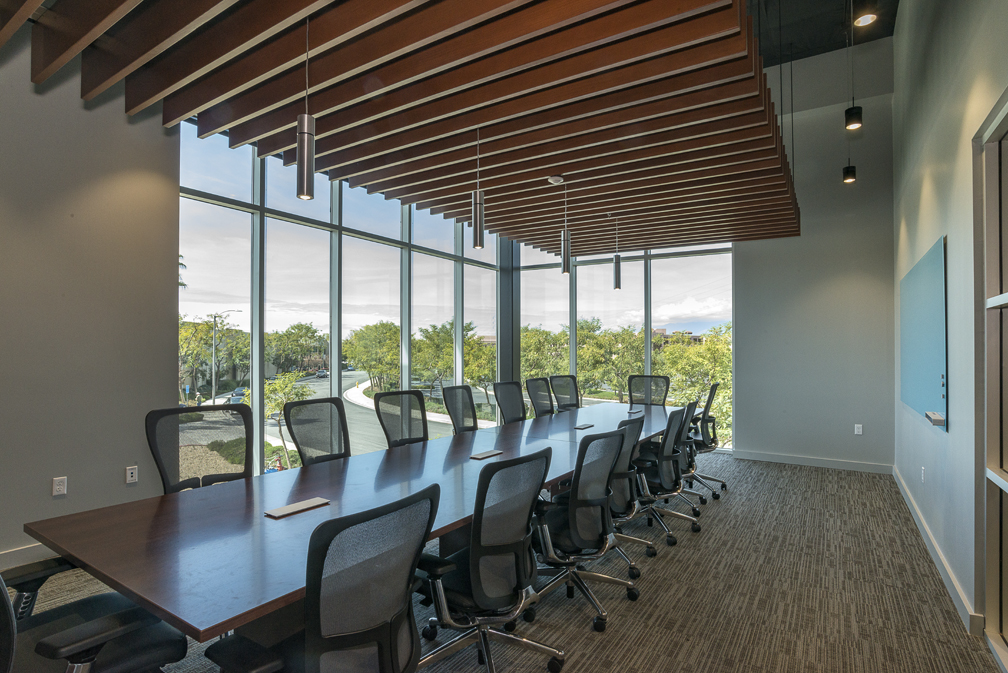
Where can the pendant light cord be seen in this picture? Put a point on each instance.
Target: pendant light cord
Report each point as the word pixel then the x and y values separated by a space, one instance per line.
pixel 791 77
pixel 477 158
pixel 780 59
pixel 850 52
pixel 307 49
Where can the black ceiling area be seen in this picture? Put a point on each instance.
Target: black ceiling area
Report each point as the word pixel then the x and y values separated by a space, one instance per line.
pixel 812 27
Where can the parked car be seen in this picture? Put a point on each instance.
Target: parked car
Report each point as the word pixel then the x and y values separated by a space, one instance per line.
pixel 321 374
pixel 239 393
pixel 235 399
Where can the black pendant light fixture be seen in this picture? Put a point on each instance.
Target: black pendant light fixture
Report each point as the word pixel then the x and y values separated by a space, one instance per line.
pixel 849 173
pixel 617 272
pixel 867 14
pixel 306 142
pixel 477 202
pixel 565 242
pixel 853 114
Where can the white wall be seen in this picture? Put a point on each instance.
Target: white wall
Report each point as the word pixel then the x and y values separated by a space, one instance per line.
pixel 88 295
pixel 813 316
pixel 951 66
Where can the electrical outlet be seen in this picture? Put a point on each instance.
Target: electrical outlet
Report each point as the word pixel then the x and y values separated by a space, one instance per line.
pixel 131 475
pixel 857 428
pixel 922 475
pixel 59 486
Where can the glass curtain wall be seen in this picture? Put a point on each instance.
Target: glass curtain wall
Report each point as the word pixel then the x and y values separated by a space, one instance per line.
pixel 545 316
pixel 332 264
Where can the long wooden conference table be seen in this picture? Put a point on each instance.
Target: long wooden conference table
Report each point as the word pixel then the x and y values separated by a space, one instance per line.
pixel 207 561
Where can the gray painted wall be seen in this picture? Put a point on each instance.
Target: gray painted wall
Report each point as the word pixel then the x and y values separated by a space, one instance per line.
pixel 950 69
pixel 813 316
pixel 88 295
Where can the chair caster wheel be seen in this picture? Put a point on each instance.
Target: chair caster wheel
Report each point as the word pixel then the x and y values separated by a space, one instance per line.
pixel 715 495
pixel 695 528
pixel 651 551
pixel 670 540
pixel 696 512
pixel 703 500
pixel 689 482
pixel 633 572
pixel 570 592
pixel 480 658
pixel 510 626
pixel 633 593
pixel 598 624
pixel 429 632
pixel 724 487
pixel 555 665
pixel 529 615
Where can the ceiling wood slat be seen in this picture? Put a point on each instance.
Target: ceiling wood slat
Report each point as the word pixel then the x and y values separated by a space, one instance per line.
pixel 14 14
pixel 66 28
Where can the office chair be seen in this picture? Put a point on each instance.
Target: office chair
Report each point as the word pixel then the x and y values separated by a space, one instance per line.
pixel 539 394
pixel 403 416
pixel 184 440
pixel 577 526
pixel 461 408
pixel 358 604
pixel 661 472
pixel 318 429
pixel 648 389
pixel 490 583
pixel 106 632
pixel 565 389
pixel 705 440
pixel 510 401
pixel 624 504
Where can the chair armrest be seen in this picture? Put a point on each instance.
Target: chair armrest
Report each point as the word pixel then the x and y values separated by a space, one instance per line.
pixel 435 566
pixel 88 638
pixel 238 654
pixel 543 506
pixel 209 479
pixel 191 482
pixel 30 577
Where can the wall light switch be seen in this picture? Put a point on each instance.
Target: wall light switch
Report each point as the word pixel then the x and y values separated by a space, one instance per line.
pixel 857 428
pixel 59 486
pixel 131 475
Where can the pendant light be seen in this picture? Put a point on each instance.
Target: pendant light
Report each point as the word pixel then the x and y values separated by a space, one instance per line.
pixel 867 15
pixel 565 242
pixel 306 142
pixel 477 202
pixel 849 173
pixel 617 275
pixel 853 114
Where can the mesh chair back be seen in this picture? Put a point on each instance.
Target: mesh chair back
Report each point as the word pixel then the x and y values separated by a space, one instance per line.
pixel 590 519
pixel 539 394
pixel 318 428
pixel 8 630
pixel 648 389
pixel 358 587
pixel 668 455
pixel 461 408
pixel 707 440
pixel 624 482
pixel 501 561
pixel 565 389
pixel 402 416
pixel 510 401
pixel 199 446
pixel 710 400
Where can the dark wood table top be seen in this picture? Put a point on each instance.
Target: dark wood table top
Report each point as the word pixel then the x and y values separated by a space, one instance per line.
pixel 207 561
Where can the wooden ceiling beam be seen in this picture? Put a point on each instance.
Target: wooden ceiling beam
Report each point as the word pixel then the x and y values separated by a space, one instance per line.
pixel 154 27
pixel 345 163
pixel 249 25
pixel 433 23
pixel 69 26
pixel 552 57
pixel 338 24
pixel 735 234
pixel 491 103
pixel 14 14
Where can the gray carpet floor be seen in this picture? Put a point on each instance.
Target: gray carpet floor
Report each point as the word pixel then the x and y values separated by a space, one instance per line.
pixel 796 569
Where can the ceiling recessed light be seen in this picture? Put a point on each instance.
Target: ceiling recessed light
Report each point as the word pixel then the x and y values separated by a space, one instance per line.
pixel 865 19
pixel 866 14
pixel 555 179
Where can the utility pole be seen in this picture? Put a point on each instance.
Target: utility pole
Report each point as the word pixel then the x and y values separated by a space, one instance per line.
pixel 213 354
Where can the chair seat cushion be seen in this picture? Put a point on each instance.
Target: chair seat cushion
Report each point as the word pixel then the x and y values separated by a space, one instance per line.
pixel 558 523
pixel 458 583
pixel 147 648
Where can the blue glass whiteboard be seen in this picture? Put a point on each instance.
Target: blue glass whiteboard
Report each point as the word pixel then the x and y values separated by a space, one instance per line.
pixel 923 356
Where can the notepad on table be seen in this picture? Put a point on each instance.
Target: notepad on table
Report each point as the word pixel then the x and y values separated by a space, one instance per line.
pixel 486 454
pixel 584 426
pixel 295 507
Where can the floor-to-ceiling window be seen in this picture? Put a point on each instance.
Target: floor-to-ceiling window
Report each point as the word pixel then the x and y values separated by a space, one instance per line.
pixel 340 275
pixel 545 316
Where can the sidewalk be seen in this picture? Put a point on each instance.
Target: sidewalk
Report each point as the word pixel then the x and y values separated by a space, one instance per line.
pixel 356 396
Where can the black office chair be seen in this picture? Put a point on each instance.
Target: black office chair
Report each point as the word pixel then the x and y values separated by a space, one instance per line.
pixel 490 583
pixel 577 527
pixel 358 604
pixel 662 473
pixel 510 401
pixel 318 428
pixel 186 440
pixel 100 633
pixel 624 504
pixel 705 440
pixel 403 416
pixel 461 408
pixel 565 389
pixel 648 389
pixel 539 394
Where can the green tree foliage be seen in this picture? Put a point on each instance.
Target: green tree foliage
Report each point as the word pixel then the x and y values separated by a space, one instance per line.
pixel 433 353
pixel 375 349
pixel 278 392
pixel 543 353
pixel 181 266
pixel 194 350
pixel 480 361
pixel 295 347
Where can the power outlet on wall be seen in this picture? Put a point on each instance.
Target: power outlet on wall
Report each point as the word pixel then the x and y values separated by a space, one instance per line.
pixel 59 486
pixel 131 475
pixel 857 428
pixel 922 474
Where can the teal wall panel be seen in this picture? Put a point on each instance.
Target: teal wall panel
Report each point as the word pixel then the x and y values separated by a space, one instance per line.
pixel 923 357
